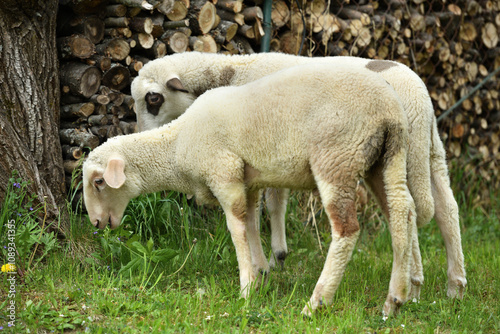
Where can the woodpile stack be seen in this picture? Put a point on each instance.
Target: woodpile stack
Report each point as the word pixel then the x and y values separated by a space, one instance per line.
pixel 453 47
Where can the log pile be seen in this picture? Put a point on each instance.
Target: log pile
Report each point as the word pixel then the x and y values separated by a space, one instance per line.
pixel 102 45
pixel 453 47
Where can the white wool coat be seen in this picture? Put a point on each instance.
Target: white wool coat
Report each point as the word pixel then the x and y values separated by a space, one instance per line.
pixel 428 177
pixel 200 72
pixel 322 126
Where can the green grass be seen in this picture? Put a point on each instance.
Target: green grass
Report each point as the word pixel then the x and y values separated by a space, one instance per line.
pixel 171 268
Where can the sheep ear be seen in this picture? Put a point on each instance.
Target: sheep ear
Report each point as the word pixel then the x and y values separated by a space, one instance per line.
pixel 114 175
pixel 176 84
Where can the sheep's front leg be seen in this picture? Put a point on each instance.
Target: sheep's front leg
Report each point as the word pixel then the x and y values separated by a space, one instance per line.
pixel 276 201
pixel 341 210
pixel 253 229
pixel 233 200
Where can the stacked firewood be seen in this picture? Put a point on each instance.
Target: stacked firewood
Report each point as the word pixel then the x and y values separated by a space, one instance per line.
pixel 103 44
pixel 453 47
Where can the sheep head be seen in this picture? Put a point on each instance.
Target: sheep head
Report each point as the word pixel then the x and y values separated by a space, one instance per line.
pixel 106 191
pixel 158 103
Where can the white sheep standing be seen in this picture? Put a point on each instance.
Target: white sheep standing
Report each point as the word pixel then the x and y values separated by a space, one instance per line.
pixel 166 87
pixel 299 128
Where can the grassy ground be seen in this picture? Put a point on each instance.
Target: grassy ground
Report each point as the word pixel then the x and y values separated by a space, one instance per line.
pixel 171 268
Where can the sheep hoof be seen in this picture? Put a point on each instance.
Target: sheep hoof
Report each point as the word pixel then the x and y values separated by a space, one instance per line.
pixel 307 312
pixel 263 277
pixel 272 262
pixel 415 292
pixel 416 286
pixel 391 306
pixel 456 288
pixel 279 258
pixel 316 302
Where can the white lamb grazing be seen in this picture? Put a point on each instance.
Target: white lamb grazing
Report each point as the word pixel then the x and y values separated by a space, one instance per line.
pixel 166 87
pixel 304 127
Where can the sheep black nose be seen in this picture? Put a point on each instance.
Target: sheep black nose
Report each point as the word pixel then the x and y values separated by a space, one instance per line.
pixel 96 224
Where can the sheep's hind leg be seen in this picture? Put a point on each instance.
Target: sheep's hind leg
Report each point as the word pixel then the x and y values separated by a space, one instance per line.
pixel 341 210
pixel 402 225
pixel 259 260
pixel 375 182
pixel 416 269
pixel 276 201
pixel 447 217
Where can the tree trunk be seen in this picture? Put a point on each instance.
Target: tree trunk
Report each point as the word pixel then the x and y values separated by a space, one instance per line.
pixel 29 102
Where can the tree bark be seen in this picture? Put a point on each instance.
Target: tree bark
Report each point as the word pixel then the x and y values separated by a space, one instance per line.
pixel 29 103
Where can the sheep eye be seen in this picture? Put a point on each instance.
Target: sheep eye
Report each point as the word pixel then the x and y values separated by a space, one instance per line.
pixel 98 182
pixel 154 99
pixel 154 102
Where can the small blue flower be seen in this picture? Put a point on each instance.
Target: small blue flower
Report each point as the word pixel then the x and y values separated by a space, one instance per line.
pixel 96 232
pixel 4 246
pixel 19 214
pixel 17 185
pixel 31 209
